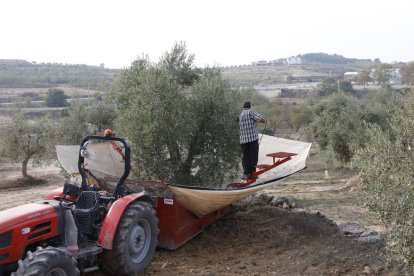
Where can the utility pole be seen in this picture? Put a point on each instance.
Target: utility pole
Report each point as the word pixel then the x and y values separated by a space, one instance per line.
pixel 338 86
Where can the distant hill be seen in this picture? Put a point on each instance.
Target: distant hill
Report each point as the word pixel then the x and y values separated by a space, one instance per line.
pixel 312 67
pixel 21 73
pixel 315 67
pixel 333 59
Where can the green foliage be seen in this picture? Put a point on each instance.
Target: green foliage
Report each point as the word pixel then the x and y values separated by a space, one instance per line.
pixel 56 98
pixel 301 116
pixel 339 123
pixel 74 127
pixel 345 86
pixel 273 114
pixel 180 120
pixel 407 72
pixel 326 58
pixel 364 76
pixel 338 126
pixel 327 87
pixel 380 107
pixel 23 140
pixel 381 73
pixel 101 114
pixel 387 162
pixel 85 119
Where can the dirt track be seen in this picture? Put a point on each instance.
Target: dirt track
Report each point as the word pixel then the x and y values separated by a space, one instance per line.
pixel 256 238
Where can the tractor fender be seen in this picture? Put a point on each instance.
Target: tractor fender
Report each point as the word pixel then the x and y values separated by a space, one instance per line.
pixel 110 223
pixel 56 192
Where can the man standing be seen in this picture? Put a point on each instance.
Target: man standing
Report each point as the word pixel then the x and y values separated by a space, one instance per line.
pixel 249 138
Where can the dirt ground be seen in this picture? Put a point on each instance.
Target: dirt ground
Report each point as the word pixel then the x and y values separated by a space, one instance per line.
pixel 255 238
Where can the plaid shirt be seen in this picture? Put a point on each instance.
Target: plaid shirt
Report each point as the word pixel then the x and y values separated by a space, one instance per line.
pixel 248 128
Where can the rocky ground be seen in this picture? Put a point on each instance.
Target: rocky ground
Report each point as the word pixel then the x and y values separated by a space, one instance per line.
pixel 324 234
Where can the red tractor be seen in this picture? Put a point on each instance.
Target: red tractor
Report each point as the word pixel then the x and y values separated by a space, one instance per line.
pixel 81 228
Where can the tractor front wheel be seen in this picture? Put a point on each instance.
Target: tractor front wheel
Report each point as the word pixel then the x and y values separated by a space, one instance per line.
pixel 135 241
pixel 47 261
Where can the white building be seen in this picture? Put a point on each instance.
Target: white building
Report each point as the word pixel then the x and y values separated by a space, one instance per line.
pixel 294 60
pixel 350 75
pixel 395 76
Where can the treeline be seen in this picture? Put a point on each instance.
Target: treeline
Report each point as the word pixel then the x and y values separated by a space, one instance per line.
pixel 333 59
pixel 20 73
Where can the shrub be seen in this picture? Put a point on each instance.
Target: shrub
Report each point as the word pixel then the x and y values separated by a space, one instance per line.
pixel 387 162
pixel 56 98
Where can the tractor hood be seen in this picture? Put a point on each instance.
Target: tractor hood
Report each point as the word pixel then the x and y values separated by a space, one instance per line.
pixel 24 213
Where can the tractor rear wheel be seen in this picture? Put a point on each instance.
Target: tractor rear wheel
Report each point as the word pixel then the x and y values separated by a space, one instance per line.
pixel 135 241
pixel 47 261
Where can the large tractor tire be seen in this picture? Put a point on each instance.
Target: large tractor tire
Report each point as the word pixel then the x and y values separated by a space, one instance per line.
pixel 47 261
pixel 135 241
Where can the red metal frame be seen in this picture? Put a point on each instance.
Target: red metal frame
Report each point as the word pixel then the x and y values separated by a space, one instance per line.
pixel 178 225
pixel 278 159
pixel 117 148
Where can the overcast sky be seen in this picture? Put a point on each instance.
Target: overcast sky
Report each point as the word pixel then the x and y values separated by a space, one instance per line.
pixel 218 32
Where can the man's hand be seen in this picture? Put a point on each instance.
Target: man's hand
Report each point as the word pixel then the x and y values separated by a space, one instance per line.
pixel 260 122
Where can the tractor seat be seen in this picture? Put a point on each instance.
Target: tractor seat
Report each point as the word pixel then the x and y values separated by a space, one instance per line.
pixel 85 211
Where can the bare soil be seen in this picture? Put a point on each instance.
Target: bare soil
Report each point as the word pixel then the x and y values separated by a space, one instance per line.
pixel 255 238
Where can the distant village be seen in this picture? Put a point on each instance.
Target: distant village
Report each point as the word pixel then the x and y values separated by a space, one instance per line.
pixel 395 75
pixel 279 61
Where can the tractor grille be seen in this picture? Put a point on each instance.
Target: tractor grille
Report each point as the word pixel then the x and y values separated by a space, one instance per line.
pixel 5 239
pixel 42 225
pixel 38 234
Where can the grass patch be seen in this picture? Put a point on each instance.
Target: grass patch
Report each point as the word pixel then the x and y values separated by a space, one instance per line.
pixel 29 181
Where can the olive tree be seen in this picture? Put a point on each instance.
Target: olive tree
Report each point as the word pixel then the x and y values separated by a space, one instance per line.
pixel 387 162
pixel 381 74
pixel 407 72
pixel 181 120
pixel 56 97
pixel 345 86
pixel 337 126
pixel 101 114
pixel 301 116
pixel 74 126
pixel 364 76
pixel 339 123
pixel 85 119
pixel 327 87
pixel 23 140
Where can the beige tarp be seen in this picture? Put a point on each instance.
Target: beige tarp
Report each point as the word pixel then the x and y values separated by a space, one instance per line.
pixel 201 201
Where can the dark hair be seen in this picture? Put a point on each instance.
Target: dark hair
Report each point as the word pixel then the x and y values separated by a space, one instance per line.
pixel 247 104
